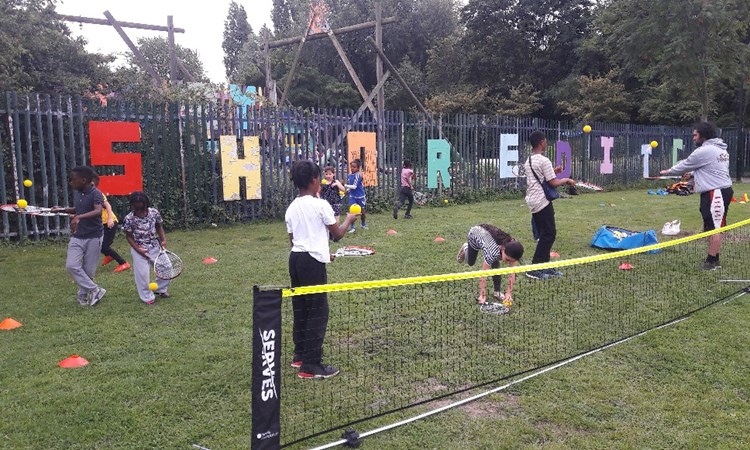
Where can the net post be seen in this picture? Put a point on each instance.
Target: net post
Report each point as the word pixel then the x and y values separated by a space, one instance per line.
pixel 266 373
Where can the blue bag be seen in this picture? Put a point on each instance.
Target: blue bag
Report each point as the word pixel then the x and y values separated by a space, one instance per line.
pixel 614 238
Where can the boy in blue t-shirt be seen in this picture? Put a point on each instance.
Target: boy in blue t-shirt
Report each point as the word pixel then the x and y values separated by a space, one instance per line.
pixel 356 190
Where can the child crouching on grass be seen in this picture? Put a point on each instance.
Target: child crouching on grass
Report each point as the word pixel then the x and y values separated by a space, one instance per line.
pixel 309 220
pixel 145 234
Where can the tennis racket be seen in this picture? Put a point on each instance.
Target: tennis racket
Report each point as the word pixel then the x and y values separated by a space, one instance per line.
pixel 32 210
pixel 590 186
pixel 420 199
pixel 353 250
pixel 167 265
pixel 494 308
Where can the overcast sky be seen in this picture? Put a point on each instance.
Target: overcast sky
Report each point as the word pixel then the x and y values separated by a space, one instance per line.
pixel 203 23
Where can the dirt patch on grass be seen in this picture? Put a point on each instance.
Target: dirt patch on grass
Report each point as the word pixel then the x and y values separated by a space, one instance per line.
pixel 497 406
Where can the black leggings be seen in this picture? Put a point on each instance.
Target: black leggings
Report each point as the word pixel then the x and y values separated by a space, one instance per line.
pixel 471 258
pixel 107 239
pixel 404 194
pixel 310 311
pixel 547 232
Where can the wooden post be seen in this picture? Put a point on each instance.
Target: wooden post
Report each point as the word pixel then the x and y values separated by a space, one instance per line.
pixel 270 85
pixel 379 75
pixel 172 56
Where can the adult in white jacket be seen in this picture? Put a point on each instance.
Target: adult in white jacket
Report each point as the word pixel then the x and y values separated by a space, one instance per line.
pixel 710 166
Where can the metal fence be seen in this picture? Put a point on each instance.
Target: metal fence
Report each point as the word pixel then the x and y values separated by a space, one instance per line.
pixel 43 137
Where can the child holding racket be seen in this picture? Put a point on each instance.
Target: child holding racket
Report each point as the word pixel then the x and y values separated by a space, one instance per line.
pixel 145 234
pixel 496 245
pixel 406 192
pixel 356 190
pixel 330 190
pixel 110 225
pixel 86 240
pixel 309 220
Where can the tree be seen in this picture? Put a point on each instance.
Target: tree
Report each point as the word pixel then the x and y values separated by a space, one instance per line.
pixel 38 53
pixel 596 99
pixel 237 32
pixel 680 51
pixel 522 100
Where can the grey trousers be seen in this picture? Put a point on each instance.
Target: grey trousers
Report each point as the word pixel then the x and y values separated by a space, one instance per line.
pixel 143 274
pixel 82 261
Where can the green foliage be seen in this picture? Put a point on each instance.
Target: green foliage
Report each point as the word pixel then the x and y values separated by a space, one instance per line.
pixel 591 99
pixel 676 45
pixel 38 53
pixel 237 32
pixel 522 100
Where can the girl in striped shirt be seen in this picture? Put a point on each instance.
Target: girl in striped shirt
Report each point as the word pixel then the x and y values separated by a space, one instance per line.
pixel 496 245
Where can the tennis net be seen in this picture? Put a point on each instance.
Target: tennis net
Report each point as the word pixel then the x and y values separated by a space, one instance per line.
pixel 401 343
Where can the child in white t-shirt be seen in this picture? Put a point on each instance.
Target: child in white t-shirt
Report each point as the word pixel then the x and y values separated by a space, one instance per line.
pixel 309 220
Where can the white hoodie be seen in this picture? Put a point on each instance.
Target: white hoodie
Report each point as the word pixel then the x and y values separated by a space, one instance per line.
pixel 709 164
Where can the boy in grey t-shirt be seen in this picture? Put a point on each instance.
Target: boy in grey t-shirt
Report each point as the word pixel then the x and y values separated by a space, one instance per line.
pixel 86 239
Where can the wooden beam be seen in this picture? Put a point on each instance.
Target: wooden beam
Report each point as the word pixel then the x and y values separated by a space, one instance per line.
pixel 185 74
pixel 352 73
pixel 141 26
pixel 398 77
pixel 136 51
pixel 316 36
pixel 288 82
pixel 361 109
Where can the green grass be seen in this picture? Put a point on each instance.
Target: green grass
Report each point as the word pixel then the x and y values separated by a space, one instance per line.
pixel 178 373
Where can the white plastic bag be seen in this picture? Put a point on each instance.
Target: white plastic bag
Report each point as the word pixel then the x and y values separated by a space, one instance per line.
pixel 671 228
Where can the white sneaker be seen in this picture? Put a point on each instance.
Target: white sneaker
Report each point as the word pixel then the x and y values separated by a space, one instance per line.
pixel 97 295
pixel 461 256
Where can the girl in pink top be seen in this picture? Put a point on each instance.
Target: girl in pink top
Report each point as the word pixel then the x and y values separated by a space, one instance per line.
pixel 406 191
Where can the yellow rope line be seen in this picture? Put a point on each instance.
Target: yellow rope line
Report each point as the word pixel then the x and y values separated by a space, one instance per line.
pixel 352 286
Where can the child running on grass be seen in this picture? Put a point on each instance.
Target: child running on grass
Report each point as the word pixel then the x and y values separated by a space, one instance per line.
pixel 145 234
pixel 406 192
pixel 86 240
pixel 110 225
pixel 356 190
pixel 496 245
pixel 309 220
pixel 330 190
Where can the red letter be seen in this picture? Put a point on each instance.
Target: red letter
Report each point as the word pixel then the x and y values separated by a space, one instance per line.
pixel 101 137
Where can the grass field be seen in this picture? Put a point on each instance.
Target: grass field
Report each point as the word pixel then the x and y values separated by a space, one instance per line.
pixel 178 372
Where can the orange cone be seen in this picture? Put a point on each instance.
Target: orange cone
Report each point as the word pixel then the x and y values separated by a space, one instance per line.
pixel 439 239
pixel 392 232
pixel 626 266
pixel 72 362
pixel 744 198
pixel 9 324
pixel 210 260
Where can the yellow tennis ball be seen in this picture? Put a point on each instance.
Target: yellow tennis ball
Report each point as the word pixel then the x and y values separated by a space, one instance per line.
pixel 27 183
pixel 654 144
pixel 22 203
pixel 587 128
pixel 153 286
pixel 445 201
pixel 355 209
pixel 323 181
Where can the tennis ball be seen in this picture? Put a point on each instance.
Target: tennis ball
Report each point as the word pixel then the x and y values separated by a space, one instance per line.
pixel 587 128
pixel 22 203
pixel 323 181
pixel 152 286
pixel 355 209
pixel 654 144
pixel 445 201
pixel 27 183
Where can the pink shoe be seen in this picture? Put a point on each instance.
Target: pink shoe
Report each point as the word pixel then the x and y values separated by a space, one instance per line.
pixel 150 302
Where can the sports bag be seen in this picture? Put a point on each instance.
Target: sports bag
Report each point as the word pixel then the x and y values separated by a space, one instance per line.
pixel 614 238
